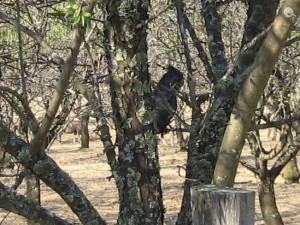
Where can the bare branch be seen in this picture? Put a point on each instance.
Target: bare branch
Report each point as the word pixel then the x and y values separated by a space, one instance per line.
pixel 45 168
pixel 19 204
pixel 292 41
pixel 277 123
pixel 197 44
pixel 37 37
pixel 68 67
pixel 253 169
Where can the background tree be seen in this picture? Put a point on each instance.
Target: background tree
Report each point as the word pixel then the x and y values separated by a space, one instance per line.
pixel 32 154
pixel 243 112
pixel 136 169
pixel 110 54
pixel 202 159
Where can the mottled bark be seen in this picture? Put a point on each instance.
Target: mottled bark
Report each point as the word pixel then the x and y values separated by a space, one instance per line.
pixel 49 172
pixel 215 43
pixel 202 158
pixel 33 156
pixel 33 192
pixel 19 204
pixel 267 201
pixel 251 93
pixel 136 170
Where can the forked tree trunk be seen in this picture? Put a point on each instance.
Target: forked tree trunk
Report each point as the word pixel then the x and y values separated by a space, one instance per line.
pixel 202 157
pixel 267 202
pixel 251 93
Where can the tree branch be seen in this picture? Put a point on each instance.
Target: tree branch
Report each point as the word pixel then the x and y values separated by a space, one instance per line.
pixel 37 37
pixel 215 43
pixel 277 123
pixel 46 169
pixel 201 53
pixel 39 140
pixel 19 204
pixel 251 92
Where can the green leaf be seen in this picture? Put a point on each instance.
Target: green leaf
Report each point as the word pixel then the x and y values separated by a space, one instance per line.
pixel 87 14
pixel 82 21
pixel 77 12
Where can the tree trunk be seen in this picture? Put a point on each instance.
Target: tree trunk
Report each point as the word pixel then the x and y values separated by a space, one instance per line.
pixel 180 138
pixel 251 93
pixel 33 192
pixel 137 169
pixel 202 157
pixel 200 163
pixel 44 168
pixel 85 137
pixel 267 202
pixel 222 206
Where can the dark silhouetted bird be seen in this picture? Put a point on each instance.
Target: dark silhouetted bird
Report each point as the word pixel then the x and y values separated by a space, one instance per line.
pixel 165 98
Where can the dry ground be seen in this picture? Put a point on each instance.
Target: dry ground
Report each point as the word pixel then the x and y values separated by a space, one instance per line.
pixel 89 169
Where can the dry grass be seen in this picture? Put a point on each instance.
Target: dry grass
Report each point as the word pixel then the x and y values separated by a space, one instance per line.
pixel 89 169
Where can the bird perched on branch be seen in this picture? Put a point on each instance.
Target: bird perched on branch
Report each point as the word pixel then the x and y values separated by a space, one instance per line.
pixel 165 98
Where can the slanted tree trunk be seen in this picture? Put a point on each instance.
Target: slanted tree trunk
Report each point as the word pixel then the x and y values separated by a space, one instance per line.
pixel 136 170
pixel 33 156
pixel 251 93
pixel 32 182
pixel 203 156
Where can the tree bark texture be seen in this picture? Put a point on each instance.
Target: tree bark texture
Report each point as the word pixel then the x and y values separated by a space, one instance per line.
pixel 260 15
pixel 202 158
pixel 49 172
pixel 33 156
pixel 222 206
pixel 19 204
pixel 136 170
pixel 267 202
pixel 33 192
pixel 251 93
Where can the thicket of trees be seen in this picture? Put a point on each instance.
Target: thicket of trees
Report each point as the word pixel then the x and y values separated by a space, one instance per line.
pixel 102 58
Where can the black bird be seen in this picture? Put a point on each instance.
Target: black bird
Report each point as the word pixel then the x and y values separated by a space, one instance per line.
pixel 165 98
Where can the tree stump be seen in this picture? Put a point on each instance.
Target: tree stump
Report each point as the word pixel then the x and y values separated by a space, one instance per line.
pixel 222 206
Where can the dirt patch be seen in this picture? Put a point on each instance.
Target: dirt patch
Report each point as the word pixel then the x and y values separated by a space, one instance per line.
pixel 89 169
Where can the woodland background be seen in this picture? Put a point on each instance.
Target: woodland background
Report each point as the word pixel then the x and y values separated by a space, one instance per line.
pixel 97 62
